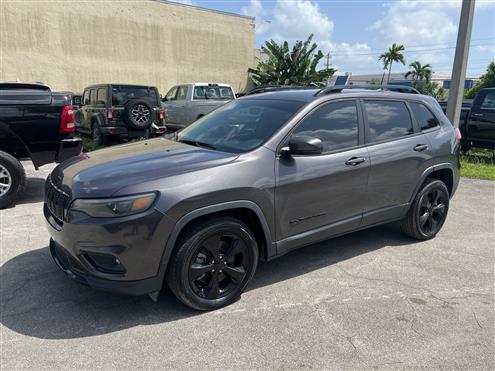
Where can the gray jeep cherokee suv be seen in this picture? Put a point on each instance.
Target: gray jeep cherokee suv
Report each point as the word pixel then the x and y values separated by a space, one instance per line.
pixel 252 180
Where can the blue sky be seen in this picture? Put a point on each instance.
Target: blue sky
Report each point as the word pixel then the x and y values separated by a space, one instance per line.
pixel 355 32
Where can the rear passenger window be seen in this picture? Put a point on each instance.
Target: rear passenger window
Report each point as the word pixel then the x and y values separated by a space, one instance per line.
pixel 182 94
pixel 92 96
pixel 424 117
pixel 388 120
pixel 335 124
pixel 101 97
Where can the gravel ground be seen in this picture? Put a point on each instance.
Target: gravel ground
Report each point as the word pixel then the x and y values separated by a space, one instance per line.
pixel 370 300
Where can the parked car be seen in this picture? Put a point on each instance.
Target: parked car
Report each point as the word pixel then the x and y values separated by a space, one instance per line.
pixel 35 124
pixel 255 179
pixel 121 111
pixel 186 103
pixel 477 120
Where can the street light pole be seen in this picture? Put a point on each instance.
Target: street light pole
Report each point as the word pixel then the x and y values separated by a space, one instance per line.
pixel 456 91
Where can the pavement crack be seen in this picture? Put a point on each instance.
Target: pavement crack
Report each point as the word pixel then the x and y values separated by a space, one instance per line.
pixel 476 319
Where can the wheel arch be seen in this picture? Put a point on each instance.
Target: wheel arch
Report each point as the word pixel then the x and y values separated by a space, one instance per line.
pixel 246 211
pixel 444 172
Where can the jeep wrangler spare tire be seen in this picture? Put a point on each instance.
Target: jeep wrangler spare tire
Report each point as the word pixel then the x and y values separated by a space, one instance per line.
pixel 138 114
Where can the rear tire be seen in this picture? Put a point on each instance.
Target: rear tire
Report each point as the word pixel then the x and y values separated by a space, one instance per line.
pixel 12 179
pixel 98 137
pixel 213 262
pixel 428 211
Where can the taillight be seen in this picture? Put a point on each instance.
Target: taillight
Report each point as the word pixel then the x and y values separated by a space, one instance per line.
pixel 67 120
pixel 109 114
pixel 161 115
pixel 458 134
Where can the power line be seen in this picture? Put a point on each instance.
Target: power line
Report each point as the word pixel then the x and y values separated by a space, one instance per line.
pixel 429 45
pixel 409 51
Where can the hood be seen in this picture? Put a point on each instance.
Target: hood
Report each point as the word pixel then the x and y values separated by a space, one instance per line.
pixel 102 173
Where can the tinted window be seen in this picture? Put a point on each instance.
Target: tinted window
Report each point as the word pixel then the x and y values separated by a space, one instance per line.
pixel 182 93
pixel 213 92
pixel 121 94
pixel 101 96
pixel 488 101
pixel 388 120
pixel 241 125
pixel 424 117
pixel 336 124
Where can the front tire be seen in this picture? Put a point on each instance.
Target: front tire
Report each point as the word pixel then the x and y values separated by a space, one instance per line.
pixel 428 211
pixel 213 262
pixel 12 179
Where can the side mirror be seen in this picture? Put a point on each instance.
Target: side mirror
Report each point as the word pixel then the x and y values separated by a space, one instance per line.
pixel 76 101
pixel 303 145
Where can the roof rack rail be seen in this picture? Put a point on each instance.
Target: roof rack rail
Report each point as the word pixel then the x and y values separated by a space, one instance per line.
pixel 268 88
pixel 394 88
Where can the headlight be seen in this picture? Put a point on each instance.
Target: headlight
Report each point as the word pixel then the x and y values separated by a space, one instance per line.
pixel 114 207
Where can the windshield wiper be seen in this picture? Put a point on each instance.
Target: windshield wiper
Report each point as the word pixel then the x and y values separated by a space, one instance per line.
pixel 197 143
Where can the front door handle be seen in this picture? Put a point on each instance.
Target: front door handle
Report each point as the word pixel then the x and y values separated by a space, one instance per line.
pixel 420 147
pixel 478 114
pixel 353 161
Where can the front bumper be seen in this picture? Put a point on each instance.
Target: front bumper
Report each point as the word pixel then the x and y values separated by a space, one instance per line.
pixel 68 265
pixel 83 248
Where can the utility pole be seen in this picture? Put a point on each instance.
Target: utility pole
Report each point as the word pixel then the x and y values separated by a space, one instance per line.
pixel 456 91
pixel 328 66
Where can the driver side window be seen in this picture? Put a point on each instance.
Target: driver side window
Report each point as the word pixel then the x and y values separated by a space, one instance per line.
pixel 335 124
pixel 172 93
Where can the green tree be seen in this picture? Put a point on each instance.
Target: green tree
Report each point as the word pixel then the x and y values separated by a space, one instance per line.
pixel 393 54
pixel 487 80
pixel 419 71
pixel 431 88
pixel 284 67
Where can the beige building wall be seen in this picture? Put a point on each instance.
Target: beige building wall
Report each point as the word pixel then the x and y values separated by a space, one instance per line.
pixel 72 44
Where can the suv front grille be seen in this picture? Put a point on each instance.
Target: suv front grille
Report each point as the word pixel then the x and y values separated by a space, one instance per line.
pixel 56 200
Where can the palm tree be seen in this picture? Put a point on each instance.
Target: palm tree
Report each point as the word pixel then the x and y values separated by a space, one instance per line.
pixel 393 54
pixel 419 71
pixel 280 66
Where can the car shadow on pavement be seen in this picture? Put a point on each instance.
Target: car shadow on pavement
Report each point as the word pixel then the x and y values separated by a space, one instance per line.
pixel 34 191
pixel 39 301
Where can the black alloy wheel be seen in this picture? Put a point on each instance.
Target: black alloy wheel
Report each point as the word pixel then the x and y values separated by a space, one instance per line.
pixel 432 211
pixel 428 211
pixel 213 262
pixel 218 266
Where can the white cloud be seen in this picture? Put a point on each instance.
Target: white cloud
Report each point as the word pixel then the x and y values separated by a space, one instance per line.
pixel 186 2
pixel 296 20
pixel 255 9
pixel 426 29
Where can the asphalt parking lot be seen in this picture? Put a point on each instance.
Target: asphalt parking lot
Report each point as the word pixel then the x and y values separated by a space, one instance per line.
pixel 373 300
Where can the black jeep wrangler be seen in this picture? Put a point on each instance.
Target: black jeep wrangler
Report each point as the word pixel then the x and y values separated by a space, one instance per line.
pixel 120 111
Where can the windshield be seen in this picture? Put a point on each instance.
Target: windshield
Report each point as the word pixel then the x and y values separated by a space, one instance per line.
pixel 121 94
pixel 241 125
pixel 213 92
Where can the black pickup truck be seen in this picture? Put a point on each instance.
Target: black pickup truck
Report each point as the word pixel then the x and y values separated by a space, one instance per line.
pixel 36 124
pixel 477 120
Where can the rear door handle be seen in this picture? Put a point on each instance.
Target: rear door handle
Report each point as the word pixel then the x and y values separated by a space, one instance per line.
pixel 420 147
pixel 353 161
